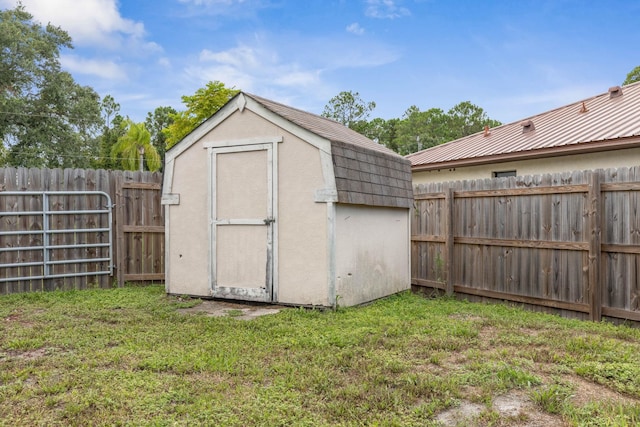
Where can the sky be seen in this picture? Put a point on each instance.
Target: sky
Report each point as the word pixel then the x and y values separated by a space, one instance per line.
pixel 513 58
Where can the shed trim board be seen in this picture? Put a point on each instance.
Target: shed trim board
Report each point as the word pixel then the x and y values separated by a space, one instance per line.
pixel 268 293
pixel 196 135
pixel 331 251
pixel 317 141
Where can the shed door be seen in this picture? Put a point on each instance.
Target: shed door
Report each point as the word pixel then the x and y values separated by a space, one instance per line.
pixel 242 222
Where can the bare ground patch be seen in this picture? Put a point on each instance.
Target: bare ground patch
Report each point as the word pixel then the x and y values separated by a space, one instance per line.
pixel 237 310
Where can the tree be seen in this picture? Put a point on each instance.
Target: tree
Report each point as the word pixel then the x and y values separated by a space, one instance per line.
pixel 46 118
pixel 383 132
pixel 111 132
pixel 466 118
pixel 200 106
pixel 633 76
pixel 421 129
pixel 160 119
pixel 349 109
pixel 135 147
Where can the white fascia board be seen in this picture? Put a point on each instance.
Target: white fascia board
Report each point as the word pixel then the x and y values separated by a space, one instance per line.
pixel 167 177
pixel 322 144
pixel 308 136
pixel 213 121
pixel 259 142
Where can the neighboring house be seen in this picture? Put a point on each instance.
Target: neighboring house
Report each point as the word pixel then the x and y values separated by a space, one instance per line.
pixel 599 132
pixel 268 203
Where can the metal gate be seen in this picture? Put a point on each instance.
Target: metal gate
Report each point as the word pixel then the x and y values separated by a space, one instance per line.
pixel 55 235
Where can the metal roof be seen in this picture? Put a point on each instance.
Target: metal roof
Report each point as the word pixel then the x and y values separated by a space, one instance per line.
pixel 601 122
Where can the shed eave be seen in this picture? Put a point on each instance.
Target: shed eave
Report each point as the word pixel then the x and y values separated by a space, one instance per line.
pixel 577 148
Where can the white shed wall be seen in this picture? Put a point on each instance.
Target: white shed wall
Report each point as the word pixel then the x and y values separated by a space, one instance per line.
pixel 302 226
pixel 372 253
pixel 188 226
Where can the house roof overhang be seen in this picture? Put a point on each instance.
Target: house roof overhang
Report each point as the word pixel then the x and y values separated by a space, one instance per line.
pixel 541 153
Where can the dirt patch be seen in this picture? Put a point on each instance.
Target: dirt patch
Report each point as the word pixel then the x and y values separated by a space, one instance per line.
pixel 460 415
pixel 587 391
pixel 513 409
pixel 29 355
pixel 237 310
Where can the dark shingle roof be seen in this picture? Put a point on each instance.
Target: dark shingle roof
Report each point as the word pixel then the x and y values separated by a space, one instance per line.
pixel 366 173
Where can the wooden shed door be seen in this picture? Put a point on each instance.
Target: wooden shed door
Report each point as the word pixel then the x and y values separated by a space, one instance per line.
pixel 242 222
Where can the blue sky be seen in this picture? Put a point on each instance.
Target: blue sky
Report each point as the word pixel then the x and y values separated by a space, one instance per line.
pixel 514 58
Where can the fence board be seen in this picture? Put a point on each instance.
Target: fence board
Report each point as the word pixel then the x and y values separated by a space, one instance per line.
pixel 145 253
pixel 567 243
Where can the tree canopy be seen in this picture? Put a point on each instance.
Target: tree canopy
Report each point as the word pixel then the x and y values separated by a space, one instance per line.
pixel 46 118
pixel 416 130
pixel 349 109
pixel 633 76
pixel 160 119
pixel 135 148
pixel 200 106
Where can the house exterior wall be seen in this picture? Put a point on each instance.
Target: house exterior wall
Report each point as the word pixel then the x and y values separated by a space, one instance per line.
pixel 301 273
pixel 372 253
pixel 608 159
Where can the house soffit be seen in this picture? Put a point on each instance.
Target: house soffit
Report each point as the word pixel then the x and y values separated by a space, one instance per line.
pixel 592 147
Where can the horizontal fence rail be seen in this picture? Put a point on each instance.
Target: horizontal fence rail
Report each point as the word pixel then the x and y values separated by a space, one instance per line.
pixel 59 228
pixel 48 247
pixel 566 243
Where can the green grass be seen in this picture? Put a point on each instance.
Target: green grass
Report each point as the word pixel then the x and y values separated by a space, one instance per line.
pixel 128 357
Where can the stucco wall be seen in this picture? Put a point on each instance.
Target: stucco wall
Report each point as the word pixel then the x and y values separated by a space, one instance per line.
pixel 301 272
pixel 189 226
pixel 302 226
pixel 372 253
pixel 610 159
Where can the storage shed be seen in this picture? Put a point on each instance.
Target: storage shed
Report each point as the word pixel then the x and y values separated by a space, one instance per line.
pixel 265 202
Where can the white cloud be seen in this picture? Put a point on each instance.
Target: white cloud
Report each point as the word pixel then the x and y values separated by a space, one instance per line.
pixel 355 28
pixel 164 62
pixel 104 69
pixel 88 22
pixel 248 68
pixel 239 57
pixel 288 64
pixel 295 78
pixel 385 9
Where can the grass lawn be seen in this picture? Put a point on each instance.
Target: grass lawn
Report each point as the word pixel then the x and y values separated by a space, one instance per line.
pixel 130 357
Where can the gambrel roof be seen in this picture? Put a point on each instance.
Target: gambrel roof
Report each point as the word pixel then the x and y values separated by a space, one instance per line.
pixel 366 173
pixel 603 122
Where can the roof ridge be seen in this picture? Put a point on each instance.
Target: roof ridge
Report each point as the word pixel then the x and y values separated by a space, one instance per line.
pixel 261 98
pixel 327 128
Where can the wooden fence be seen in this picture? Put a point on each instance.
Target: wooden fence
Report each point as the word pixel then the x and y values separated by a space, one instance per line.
pixel 137 227
pixel 565 243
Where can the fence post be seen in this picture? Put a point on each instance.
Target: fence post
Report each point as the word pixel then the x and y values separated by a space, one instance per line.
pixel 595 282
pixel 448 243
pixel 120 261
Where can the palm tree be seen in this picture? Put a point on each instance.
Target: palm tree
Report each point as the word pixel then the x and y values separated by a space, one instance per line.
pixel 135 147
